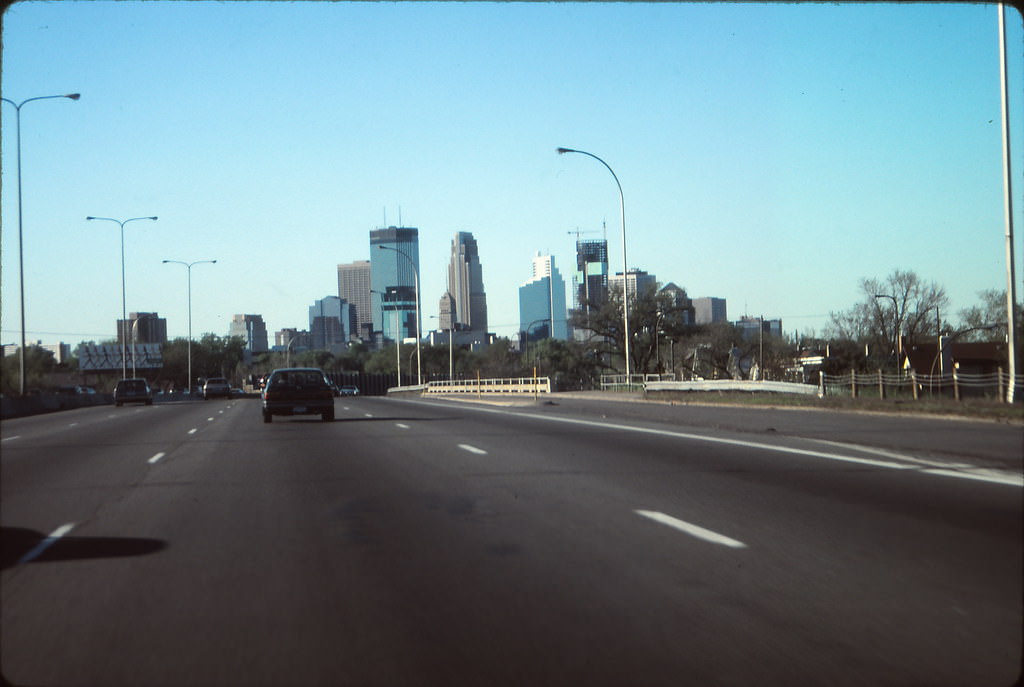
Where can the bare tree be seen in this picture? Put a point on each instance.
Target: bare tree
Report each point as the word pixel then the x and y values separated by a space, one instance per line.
pixel 981 318
pixel 654 318
pixel 901 305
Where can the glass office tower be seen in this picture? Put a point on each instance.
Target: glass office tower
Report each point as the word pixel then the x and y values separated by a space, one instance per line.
pixel 394 262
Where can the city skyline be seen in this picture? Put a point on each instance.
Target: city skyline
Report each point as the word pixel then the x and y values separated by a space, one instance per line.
pixel 773 155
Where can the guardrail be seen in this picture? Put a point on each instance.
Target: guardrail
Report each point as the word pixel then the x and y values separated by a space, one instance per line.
pixel 734 385
pixel 508 385
pixel 634 383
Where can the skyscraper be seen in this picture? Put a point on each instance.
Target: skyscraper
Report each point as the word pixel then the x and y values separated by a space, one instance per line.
pixel 252 329
pixel 710 310
pixel 542 302
pixel 393 280
pixel 354 286
pixel 446 312
pixel 590 281
pixel 466 284
pixel 328 324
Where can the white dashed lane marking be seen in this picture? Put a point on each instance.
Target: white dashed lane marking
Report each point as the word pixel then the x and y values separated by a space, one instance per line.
pixel 692 530
pixel 46 543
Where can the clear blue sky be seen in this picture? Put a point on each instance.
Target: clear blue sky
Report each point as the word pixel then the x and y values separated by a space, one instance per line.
pixel 769 154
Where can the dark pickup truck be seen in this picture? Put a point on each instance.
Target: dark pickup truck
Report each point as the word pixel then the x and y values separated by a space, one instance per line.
pixel 298 391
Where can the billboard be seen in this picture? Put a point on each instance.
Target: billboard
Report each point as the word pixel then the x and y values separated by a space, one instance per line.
pixel 107 357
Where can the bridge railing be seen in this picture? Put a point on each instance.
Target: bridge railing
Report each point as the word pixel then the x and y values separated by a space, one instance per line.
pixel 504 385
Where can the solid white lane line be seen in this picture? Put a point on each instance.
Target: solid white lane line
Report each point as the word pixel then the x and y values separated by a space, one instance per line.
pixel 46 543
pixel 979 474
pixel 473 449
pixel 691 529
pixel 401 426
pixel 193 430
pixel 157 457
pixel 16 436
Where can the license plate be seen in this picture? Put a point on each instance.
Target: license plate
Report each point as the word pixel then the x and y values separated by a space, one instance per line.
pixel 299 409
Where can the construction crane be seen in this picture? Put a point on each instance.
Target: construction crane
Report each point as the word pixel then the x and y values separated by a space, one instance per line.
pixel 578 232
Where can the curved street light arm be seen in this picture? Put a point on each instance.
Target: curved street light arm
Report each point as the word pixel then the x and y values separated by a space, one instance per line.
pixel 124 299
pixel 188 266
pixel 625 264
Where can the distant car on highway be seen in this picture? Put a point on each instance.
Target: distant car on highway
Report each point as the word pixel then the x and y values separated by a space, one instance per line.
pixel 133 391
pixel 298 391
pixel 348 391
pixel 216 386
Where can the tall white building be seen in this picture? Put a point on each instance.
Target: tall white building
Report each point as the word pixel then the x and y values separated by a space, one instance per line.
pixel 542 311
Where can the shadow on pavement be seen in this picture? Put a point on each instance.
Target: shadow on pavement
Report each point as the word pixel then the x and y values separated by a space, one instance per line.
pixel 15 542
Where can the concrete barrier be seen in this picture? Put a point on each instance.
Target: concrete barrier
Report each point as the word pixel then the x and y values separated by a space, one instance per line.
pixel 37 404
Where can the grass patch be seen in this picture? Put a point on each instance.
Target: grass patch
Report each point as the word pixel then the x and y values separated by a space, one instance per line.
pixel 981 408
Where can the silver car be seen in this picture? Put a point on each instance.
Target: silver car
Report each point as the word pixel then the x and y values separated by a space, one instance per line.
pixel 216 386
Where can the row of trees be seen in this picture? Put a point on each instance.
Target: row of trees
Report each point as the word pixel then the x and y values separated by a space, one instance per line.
pixel 662 340
pixel 904 310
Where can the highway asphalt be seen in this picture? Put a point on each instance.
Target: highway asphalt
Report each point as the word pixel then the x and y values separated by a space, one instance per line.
pixel 566 542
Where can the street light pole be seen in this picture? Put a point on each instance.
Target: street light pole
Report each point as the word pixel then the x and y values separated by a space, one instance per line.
pixel 398 341
pixel 1011 281
pixel 416 283
pixel 189 265
pixel 124 308
pixel 625 268
pixel 21 252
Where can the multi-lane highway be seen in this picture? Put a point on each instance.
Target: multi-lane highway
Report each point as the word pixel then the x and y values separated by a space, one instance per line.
pixel 579 542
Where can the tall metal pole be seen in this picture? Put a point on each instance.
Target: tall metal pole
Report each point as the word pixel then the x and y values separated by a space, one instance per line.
pixel 1011 281
pixel 398 342
pixel 21 250
pixel 625 268
pixel 188 266
pixel 124 309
